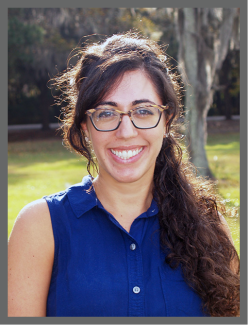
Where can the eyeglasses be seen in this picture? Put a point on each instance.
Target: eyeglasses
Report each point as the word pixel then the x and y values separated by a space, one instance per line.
pixel 106 118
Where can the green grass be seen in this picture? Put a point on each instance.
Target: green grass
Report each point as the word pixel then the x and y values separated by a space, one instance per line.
pixel 38 168
pixel 224 161
pixel 223 152
pixel 43 167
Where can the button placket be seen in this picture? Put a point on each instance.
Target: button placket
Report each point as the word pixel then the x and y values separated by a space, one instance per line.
pixel 135 266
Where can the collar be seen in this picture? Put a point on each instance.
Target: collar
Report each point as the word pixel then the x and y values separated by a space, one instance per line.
pixel 82 200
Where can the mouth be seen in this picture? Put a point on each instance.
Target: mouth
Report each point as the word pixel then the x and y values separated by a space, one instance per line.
pixel 126 154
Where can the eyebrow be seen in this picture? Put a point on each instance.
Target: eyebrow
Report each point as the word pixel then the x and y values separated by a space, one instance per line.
pixel 141 101
pixel 135 102
pixel 107 103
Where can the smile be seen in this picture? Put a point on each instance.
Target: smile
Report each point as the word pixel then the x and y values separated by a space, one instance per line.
pixel 126 154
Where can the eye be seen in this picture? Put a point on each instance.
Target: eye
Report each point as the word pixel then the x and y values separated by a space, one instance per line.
pixel 144 112
pixel 105 114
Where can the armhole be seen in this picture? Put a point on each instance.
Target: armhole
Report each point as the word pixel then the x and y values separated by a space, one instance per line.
pixel 55 235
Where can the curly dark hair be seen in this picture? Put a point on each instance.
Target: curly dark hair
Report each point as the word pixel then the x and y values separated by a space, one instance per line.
pixel 191 225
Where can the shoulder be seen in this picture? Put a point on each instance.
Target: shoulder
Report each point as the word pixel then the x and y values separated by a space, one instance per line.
pixel 30 260
pixel 73 192
pixel 33 217
pixel 75 200
pixel 33 228
pixel 36 209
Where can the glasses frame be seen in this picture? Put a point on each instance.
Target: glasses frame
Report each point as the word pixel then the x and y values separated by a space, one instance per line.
pixel 161 108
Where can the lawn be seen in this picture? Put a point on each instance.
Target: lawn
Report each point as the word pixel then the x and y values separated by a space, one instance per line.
pixel 38 168
pixel 42 167
pixel 224 160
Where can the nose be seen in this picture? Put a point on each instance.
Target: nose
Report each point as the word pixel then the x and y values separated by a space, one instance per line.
pixel 126 129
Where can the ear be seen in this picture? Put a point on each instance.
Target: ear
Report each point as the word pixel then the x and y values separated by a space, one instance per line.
pixel 85 128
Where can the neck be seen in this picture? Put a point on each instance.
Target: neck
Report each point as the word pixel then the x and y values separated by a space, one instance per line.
pixel 125 201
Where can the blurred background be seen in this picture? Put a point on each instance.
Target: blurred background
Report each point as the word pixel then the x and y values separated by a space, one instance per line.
pixel 40 41
pixel 203 44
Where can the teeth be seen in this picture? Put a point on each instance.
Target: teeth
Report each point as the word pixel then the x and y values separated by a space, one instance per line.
pixel 126 154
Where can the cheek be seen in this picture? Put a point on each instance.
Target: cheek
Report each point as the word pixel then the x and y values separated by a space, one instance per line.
pixel 155 140
pixel 98 142
pixel 160 137
pixel 160 143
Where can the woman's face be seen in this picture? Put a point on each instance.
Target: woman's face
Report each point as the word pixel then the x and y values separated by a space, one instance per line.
pixel 111 147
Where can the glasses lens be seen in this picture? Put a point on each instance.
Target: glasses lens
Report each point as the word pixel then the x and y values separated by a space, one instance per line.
pixel 146 117
pixel 105 119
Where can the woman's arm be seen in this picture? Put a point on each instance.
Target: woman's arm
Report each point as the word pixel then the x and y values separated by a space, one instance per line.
pixel 30 261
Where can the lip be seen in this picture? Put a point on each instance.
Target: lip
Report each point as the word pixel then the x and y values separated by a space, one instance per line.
pixel 129 160
pixel 121 148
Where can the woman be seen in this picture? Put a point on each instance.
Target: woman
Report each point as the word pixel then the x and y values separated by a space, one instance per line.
pixel 143 238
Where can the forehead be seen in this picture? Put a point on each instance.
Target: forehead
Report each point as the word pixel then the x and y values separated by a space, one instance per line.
pixel 134 85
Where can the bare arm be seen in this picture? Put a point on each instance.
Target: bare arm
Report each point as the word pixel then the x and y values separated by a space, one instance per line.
pixel 30 261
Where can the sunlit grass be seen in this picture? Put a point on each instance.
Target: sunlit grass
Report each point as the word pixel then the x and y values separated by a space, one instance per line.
pixel 223 152
pixel 38 168
pixel 224 162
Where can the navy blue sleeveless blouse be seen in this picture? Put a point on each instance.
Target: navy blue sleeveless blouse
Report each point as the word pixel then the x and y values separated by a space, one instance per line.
pixel 102 270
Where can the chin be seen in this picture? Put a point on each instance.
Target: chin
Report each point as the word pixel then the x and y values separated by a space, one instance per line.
pixel 128 177
pixel 127 180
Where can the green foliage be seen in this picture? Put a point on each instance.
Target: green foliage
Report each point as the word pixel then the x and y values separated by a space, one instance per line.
pixel 41 39
pixel 229 93
pixel 27 110
pixel 22 40
pixel 33 45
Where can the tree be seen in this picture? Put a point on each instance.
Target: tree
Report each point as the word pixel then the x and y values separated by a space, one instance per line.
pixel 40 41
pixel 229 84
pixel 35 49
pixel 204 36
pixel 22 41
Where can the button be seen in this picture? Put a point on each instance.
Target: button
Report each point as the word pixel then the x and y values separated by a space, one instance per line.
pixel 132 247
pixel 136 289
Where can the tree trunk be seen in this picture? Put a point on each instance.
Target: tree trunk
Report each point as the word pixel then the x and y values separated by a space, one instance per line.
pixel 196 135
pixel 203 45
